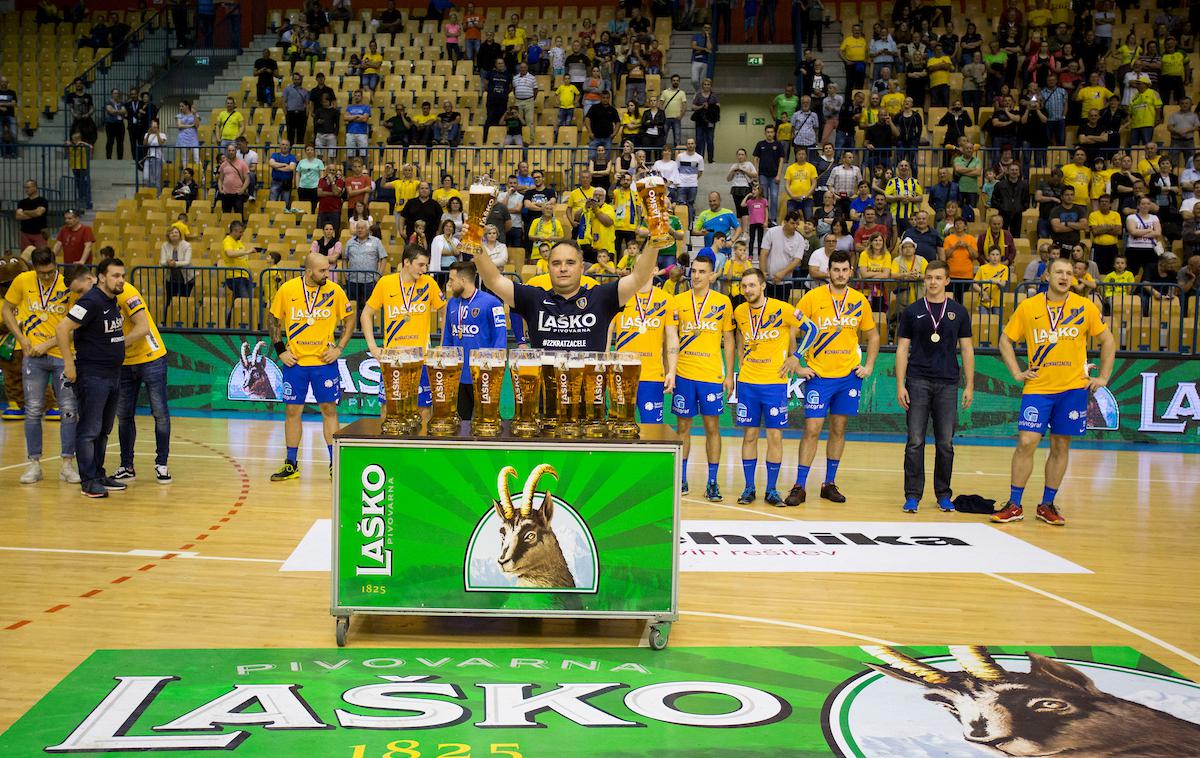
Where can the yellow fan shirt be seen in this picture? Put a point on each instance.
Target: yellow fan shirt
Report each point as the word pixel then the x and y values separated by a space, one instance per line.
pixel 148 348
pixel 39 309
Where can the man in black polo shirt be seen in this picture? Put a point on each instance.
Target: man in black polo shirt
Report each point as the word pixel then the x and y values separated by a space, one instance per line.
pixel 601 122
pixel 93 348
pixel 769 156
pixel 927 374
pixel 421 208
pixel 1067 221
pixel 568 317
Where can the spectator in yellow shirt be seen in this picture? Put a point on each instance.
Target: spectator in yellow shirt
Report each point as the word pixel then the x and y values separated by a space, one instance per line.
pixel 1145 110
pixel 1082 282
pixel 939 67
pixel 996 275
pixel 1077 175
pixel 853 52
pixel 1119 275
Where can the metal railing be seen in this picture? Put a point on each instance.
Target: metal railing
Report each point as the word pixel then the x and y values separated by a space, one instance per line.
pixel 50 167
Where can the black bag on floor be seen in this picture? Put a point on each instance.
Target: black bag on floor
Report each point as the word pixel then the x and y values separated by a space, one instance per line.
pixel 974 504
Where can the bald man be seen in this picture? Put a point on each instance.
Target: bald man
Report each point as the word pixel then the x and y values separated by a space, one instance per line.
pixel 303 317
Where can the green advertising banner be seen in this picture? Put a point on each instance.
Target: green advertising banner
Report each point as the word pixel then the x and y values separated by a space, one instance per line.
pixel 1148 399
pixel 799 702
pixel 506 527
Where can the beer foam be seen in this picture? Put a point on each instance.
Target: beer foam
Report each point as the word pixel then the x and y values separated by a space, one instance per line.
pixel 481 189
pixel 575 364
pixel 648 180
pixel 548 359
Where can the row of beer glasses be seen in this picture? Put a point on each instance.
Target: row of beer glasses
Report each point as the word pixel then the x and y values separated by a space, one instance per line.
pixel 570 395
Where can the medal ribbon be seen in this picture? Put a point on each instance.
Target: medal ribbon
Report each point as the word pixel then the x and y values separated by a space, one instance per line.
pixel 936 321
pixel 697 311
pixel 408 298
pixel 838 308
pixel 463 309
pixel 641 311
pixel 756 326
pixel 44 295
pixel 1055 321
pixel 311 305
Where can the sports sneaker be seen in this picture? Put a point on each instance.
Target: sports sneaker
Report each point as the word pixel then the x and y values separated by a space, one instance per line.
pixel 162 475
pixel 683 488
pixel 124 474
pixel 772 498
pixel 829 491
pixel 712 492
pixel 747 496
pixel 33 472
pixel 94 490
pixel 288 471
pixel 1008 513
pixel 112 485
pixel 53 414
pixel 69 472
pixel 945 506
pixel 13 414
pixel 910 505
pixel 796 496
pixel 1048 512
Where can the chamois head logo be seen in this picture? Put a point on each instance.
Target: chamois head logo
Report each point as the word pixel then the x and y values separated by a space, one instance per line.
pixel 1053 710
pixel 254 376
pixel 529 548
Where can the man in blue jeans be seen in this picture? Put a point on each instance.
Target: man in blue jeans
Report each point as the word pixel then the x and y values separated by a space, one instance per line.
pixel 34 305
pixel 927 375
pixel 92 340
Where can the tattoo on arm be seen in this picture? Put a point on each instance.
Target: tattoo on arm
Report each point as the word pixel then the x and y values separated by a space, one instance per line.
pixel 273 328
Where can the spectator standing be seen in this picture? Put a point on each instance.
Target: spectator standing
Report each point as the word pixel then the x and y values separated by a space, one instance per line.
pixel 188 123
pixel 358 125
pixel 229 125
pixel 421 208
pixel 805 127
pixel 497 86
pixel 600 123
pixel 1054 101
pixel 233 179
pixel 691 168
pixel 79 104
pixel 176 256
pixel 1067 221
pixel 1010 198
pixel 31 215
pixel 138 113
pixel 1145 111
pixel 75 239
pixel 365 256
pixel 250 158
pixel 911 124
pixel 309 171
pixel 783 251
pixel 331 195
pixel 266 69
pixel 326 121
pixel 968 170
pixel 525 92
pixel 706 112
pixel 927 239
pixel 674 101
pixel 995 236
pixel 296 110
pixel 703 47
pixel 904 195
pixel 114 126
pixel 1104 228
pixel 944 191
pixel 283 164
pixel 1183 125
pixel 940 66
pixel 769 156
pixel 79 160
pixel 799 181
pixel 153 142
pixel 853 52
pixel 8 120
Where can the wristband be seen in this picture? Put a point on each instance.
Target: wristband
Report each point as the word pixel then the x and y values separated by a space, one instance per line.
pixel 280 347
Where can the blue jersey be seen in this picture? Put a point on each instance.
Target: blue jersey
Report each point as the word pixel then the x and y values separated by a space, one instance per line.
pixel 477 321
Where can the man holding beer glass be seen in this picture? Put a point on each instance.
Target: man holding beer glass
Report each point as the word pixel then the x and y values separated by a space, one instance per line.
pixel 408 301
pixel 474 319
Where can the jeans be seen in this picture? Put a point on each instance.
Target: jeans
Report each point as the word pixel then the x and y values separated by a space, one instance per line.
pixel 938 400
pixel 357 144
pixel 152 172
pixel 674 132
pixel 687 196
pixel 1141 135
pixel 699 71
pixel 36 373
pixel 281 190
pixel 594 141
pixel 770 188
pixel 704 141
pixel 843 141
pixel 472 48
pixel 83 186
pixel 97 392
pixel 566 117
pixel 370 81
pixel 328 141
pixel 1058 132
pixel 8 136
pixel 235 30
pixel 154 375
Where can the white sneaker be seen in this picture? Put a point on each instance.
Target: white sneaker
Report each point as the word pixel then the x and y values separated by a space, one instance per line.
pixel 69 472
pixel 162 475
pixel 33 472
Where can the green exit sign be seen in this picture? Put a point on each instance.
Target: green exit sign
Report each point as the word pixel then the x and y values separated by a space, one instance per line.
pixel 760 121
pixel 754 59
pixel 201 60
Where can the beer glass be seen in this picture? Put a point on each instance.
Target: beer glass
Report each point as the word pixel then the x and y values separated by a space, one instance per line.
pixel 624 371
pixel 595 377
pixel 549 394
pixel 568 378
pixel 391 377
pixel 412 361
pixel 481 195
pixel 653 191
pixel 526 369
pixel 444 366
pixel 487 374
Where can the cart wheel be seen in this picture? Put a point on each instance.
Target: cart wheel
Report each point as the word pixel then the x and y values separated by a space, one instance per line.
pixel 343 626
pixel 659 635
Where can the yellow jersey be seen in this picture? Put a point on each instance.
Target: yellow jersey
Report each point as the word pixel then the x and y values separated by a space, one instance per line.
pixel 626 209
pixel 39 309
pixel 1093 98
pixel 309 317
pixel 407 309
pixel 1112 277
pixel 1078 178
pixel 230 124
pixel 567 96
pixel 1112 218
pixel 1148 166
pixel 543 281
pixel 641 328
pixel 577 200
pixel 836 351
pixel 443 195
pixel 701 326
pixel 1100 181
pixel 766 336
pixel 229 245
pixel 596 234
pixel 941 76
pixel 150 347
pixel 405 189
pixel 732 271
pixel 1060 363
pixel 989 273
pixel 892 102
pixel 800 179
pixel 1143 111
pixel 854 48
pixel 547 230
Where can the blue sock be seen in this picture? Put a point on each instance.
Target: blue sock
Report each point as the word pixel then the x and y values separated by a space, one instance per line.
pixel 1048 495
pixel 1015 494
pixel 749 466
pixel 831 467
pixel 291 455
pixel 684 470
pixel 802 476
pixel 772 475
pixel 712 472
pixel 330 449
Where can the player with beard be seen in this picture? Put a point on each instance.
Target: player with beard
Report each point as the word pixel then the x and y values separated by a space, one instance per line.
pixel 474 319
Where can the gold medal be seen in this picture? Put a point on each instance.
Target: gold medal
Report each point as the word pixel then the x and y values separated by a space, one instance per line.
pixel 935 337
pixel 311 321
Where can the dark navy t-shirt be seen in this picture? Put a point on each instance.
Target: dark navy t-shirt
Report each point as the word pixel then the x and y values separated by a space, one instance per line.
pixel 575 323
pixel 934 361
pixel 99 340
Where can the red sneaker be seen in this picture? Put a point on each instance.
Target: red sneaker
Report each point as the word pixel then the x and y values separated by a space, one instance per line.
pixel 1049 513
pixel 1008 513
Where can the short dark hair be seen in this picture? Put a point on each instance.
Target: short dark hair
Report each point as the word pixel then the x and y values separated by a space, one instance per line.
pixel 792 216
pixel 754 272
pixel 108 252
pixel 104 265
pixel 464 268
pixel 41 256
pixel 840 256
pixel 567 243
pixel 938 266
pixel 706 258
pixel 411 252
pixel 76 271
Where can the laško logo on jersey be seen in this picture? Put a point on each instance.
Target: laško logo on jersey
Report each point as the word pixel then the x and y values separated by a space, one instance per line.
pixel 394 311
pixel 700 326
pixel 1043 335
pixel 762 336
pixel 464 330
pixel 632 323
pixel 573 323
pixel 825 323
pixel 298 314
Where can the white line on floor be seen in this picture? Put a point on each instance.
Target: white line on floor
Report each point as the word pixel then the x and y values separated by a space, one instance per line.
pixel 789 624
pixel 47 461
pixel 140 554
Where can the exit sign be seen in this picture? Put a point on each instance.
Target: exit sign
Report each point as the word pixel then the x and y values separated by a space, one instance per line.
pixel 201 60
pixel 754 59
pixel 759 121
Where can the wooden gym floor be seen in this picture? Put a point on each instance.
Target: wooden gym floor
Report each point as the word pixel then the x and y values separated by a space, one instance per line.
pixel 81 574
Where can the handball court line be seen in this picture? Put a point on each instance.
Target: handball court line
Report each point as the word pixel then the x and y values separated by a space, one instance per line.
pixel 140 554
pixel 1194 660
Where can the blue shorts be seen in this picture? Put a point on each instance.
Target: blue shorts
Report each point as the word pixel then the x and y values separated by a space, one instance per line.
pixel 693 397
pixel 762 405
pixel 1064 412
pixel 424 393
pixel 326 383
pixel 836 397
pixel 650 402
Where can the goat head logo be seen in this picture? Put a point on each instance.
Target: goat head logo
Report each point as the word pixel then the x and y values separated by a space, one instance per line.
pixel 543 545
pixel 254 376
pixel 1054 709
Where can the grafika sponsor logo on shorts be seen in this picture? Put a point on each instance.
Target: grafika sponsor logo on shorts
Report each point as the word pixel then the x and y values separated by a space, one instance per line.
pixel 375 524
pixel 1183 405
pixel 700 539
pixel 426 693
